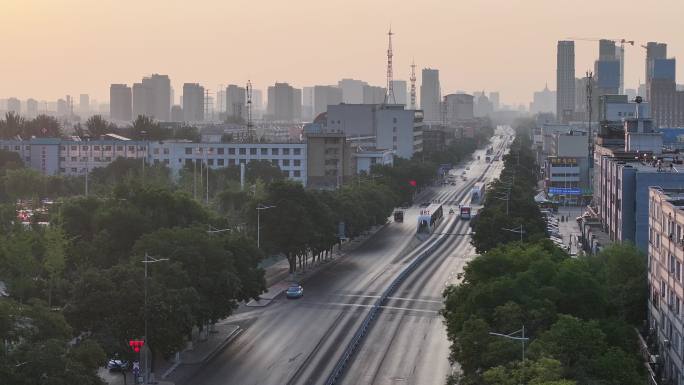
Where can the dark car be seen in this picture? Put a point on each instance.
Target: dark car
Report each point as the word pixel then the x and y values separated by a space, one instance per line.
pixel 294 291
pixel 117 365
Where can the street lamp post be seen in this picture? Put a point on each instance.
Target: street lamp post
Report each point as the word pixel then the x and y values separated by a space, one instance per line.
pixel 143 135
pixel 259 208
pixel 518 230
pixel 87 138
pixel 148 259
pixel 522 339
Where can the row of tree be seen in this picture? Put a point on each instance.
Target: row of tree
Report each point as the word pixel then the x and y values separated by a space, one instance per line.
pixel 578 314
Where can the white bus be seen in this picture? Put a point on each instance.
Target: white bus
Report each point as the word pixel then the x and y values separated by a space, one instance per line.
pixel 477 193
pixel 429 218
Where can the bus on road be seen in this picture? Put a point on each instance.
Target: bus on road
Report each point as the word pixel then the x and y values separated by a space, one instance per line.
pixel 477 193
pixel 465 212
pixel 429 218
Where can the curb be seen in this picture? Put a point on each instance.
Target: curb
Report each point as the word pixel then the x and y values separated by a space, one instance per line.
pixel 234 334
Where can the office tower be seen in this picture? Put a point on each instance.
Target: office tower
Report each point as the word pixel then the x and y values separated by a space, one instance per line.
pixel 400 91
pixel 284 102
pixel 565 81
pixel 152 97
pixel 607 50
pixel 62 107
pixel 308 103
pixel 483 106
pixel 120 102
pixel 31 108
pixel 495 98
pixel 543 101
pixel 374 94
pixel 459 107
pixel 14 105
pixel 257 100
pixel 221 102
pixel 654 51
pixel 430 95
pixel 352 90
pixel 667 104
pixel 323 96
pixel 193 102
pixel 236 98
pixel 84 105
pixel 139 100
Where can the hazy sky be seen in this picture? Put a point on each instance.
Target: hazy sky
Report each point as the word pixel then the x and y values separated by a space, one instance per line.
pixel 56 47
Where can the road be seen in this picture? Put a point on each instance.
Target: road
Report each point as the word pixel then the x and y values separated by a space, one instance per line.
pixel 300 341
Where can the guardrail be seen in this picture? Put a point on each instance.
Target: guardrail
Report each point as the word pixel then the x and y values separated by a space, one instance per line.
pixel 363 329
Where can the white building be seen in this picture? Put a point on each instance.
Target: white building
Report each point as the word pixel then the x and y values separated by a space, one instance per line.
pixel 323 96
pixel 400 92
pixel 352 90
pixel 430 95
pixel 193 102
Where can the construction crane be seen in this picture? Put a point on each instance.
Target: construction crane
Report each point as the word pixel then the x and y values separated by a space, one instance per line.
pixel 621 41
pixel 412 78
pixel 620 55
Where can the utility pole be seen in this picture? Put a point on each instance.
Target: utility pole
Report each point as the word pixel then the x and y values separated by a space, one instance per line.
pixel 250 128
pixel 522 339
pixel 259 208
pixel 147 261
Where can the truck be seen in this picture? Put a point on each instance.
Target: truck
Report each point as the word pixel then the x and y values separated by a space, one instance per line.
pixel 399 216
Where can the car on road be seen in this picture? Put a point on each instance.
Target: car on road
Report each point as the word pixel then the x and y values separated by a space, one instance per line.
pixel 294 291
pixel 425 204
pixel 468 168
pixel 117 365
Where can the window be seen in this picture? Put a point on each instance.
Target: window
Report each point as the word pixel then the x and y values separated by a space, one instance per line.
pixel 231 151
pixel 188 162
pixel 62 148
pixel 119 148
pixel 274 162
pixel 210 162
pixel 156 161
pixel 252 151
pixel 74 159
pixel 297 173
pixel 166 151
pixel 221 162
pixel 243 151
pixel 264 151
pixel 188 150
pixel 274 151
pixel 96 148
pixel 108 148
pixel 84 148
pixel 17 148
pixel 62 159
pixel 286 151
pixel 131 148
pixel 243 161
pixel 73 169
pixel 297 162
pixel 166 161
pixel 678 271
pixel 155 151
pixel 221 150
pixel 394 120
pixel 286 162
pixel 298 151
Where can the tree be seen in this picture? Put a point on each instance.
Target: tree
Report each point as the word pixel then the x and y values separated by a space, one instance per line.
pixel 12 126
pixel 42 126
pixel 24 183
pixel 98 126
pixel 55 257
pixel 145 128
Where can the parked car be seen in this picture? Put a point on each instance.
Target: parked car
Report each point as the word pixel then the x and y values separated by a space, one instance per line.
pixel 117 365
pixel 294 291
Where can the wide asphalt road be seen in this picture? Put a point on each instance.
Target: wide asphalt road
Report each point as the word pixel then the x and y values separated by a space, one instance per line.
pixel 299 341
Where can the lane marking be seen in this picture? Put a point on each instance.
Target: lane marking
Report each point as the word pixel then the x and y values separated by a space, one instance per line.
pixel 394 298
pixel 370 305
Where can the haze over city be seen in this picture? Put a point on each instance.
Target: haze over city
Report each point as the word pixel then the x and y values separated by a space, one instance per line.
pixel 81 46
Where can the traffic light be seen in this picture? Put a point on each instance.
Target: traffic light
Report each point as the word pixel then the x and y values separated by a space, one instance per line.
pixel 136 345
pixel 413 183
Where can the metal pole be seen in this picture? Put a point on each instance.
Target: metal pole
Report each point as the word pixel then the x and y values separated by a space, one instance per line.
pixel 194 178
pixel 147 356
pixel 206 158
pixel 258 228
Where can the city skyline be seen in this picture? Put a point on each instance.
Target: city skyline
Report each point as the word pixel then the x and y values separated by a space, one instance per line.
pixel 285 43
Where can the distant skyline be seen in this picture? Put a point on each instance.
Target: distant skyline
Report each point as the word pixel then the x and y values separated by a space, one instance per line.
pixel 58 47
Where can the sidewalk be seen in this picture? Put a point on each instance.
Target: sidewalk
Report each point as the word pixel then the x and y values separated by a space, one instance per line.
pixel 569 228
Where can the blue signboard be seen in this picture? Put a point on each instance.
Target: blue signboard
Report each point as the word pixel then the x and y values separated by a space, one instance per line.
pixel 564 191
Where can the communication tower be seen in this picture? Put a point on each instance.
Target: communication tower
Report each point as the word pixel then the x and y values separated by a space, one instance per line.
pixel 389 96
pixel 413 85
pixel 250 127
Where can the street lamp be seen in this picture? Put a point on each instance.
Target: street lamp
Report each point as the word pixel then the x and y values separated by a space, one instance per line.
pixel 522 339
pixel 259 208
pixel 517 230
pixel 148 259
pixel 143 136
pixel 87 138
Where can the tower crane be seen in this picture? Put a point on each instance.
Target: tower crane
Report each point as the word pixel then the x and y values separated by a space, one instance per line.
pixel 621 54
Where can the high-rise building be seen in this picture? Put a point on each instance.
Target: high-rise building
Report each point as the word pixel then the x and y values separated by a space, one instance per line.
pixel 373 94
pixel 352 90
pixel 257 100
pixel 14 105
pixel 31 108
pixel 400 91
pixel 607 77
pixel 654 51
pixel 139 100
pixel 483 107
pixel 159 96
pixel 120 102
pixel 565 81
pixel 667 104
pixel 284 102
pixel 220 99
pixel 323 96
pixel 193 102
pixel 84 105
pixel 607 50
pixel 430 95
pixel 543 101
pixel 495 98
pixel 459 107
pixel 235 101
pixel 177 113
pixel 308 103
pixel 62 107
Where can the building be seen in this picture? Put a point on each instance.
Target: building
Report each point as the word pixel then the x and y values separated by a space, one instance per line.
pixel 666 292
pixel 352 90
pixel 654 51
pixel 139 100
pixel 177 113
pixel 152 97
pixel 615 108
pixel 387 127
pixel 329 160
pixel 284 103
pixel 14 105
pixel 607 77
pixel 430 95
pixel 366 158
pixel 458 107
pixel 483 107
pixel 31 108
pixel 236 98
pixel 373 94
pixel 543 101
pixel 495 98
pixel 193 102
pixel 120 102
pixel 308 104
pixel 667 103
pixel 323 96
pixel 84 105
pixel 565 81
pixel 566 169
pixel 400 92
pixel 53 156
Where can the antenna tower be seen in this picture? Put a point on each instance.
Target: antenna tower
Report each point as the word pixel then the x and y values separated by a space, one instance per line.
pixel 389 97
pixel 413 85
pixel 207 104
pixel 250 127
